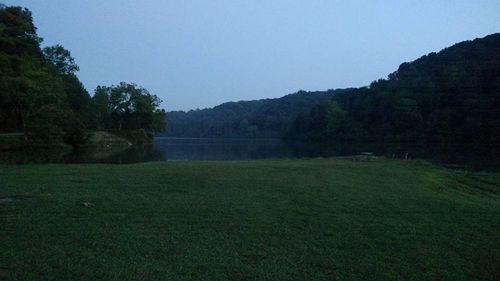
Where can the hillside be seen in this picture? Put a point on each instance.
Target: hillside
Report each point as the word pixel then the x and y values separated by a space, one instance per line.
pixel 449 96
pixel 442 103
pixel 257 118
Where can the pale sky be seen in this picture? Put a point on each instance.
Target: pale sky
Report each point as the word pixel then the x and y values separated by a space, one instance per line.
pixel 200 53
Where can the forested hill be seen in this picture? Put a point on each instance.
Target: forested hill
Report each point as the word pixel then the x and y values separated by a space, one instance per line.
pixel 441 100
pixel 447 97
pixel 257 118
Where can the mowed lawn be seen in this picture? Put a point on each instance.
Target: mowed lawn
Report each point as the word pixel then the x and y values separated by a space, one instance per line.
pixel 320 219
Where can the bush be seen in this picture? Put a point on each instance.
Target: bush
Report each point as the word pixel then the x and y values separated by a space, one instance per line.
pixel 53 126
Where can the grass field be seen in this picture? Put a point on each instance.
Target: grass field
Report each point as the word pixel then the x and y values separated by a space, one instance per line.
pixel 323 219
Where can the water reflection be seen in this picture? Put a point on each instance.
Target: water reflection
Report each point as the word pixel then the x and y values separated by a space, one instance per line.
pixel 242 149
pixel 166 149
pixel 221 149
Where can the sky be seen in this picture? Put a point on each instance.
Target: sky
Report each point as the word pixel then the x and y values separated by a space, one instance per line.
pixel 200 53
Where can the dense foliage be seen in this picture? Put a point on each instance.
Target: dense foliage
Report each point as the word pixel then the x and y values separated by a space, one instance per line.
pixel 446 101
pixel 258 118
pixel 41 96
pixel 129 108
pixel 443 100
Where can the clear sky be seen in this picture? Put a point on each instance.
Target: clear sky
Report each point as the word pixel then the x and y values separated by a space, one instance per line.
pixel 200 53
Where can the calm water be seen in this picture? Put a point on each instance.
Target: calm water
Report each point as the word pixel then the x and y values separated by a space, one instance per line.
pixel 220 149
pixel 172 149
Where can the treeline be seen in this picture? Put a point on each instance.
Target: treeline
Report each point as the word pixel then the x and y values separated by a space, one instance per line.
pixel 441 100
pixel 41 96
pixel 265 118
pixel 445 101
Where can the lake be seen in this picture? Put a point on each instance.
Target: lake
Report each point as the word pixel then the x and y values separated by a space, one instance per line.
pixel 220 149
pixel 174 149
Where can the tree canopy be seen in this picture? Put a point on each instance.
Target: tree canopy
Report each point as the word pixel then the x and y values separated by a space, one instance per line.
pixel 439 101
pixel 128 107
pixel 41 95
pixel 61 59
pixel 258 118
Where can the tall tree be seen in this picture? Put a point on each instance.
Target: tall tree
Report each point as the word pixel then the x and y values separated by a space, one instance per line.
pixel 129 107
pixel 61 59
pixel 26 81
pixel 78 99
pixel 37 93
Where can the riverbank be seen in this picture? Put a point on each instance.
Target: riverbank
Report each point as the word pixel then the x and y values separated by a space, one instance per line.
pixel 323 219
pixel 14 149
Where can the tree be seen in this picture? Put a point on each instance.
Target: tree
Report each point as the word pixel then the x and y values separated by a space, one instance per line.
pixel 21 66
pixel 26 81
pixel 45 102
pixel 129 107
pixel 78 99
pixel 100 104
pixel 442 100
pixel 55 125
pixel 61 58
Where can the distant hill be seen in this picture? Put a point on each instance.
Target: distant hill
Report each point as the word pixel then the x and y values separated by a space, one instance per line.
pixel 257 118
pixel 448 100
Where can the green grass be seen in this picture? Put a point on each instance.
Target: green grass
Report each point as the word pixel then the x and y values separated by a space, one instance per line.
pixel 106 139
pixel 323 219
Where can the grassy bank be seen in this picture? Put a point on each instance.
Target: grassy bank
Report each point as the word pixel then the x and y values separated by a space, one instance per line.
pixel 329 219
pixel 106 140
